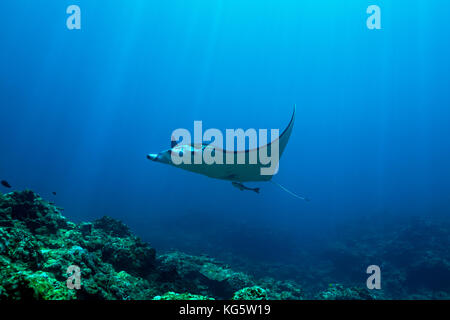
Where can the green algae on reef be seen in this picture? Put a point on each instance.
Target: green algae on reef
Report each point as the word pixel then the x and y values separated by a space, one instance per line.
pixel 181 296
pixel 250 293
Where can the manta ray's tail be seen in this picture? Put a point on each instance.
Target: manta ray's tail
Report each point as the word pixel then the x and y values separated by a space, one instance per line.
pixel 290 192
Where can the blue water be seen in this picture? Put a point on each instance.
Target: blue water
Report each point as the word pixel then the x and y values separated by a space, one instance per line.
pixel 80 109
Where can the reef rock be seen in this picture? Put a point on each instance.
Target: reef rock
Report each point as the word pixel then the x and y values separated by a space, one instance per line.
pixel 37 245
pixel 250 293
pixel 339 292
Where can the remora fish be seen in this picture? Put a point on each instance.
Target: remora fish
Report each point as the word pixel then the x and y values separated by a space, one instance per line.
pixel 241 187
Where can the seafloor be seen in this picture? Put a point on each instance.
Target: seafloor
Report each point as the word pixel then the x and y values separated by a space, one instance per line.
pixel 38 244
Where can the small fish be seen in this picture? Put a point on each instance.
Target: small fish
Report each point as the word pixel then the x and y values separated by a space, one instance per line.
pixel 241 187
pixel 5 184
pixel 54 193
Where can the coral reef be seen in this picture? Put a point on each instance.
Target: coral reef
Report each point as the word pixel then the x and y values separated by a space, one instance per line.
pixel 414 257
pixel 217 279
pixel 339 292
pixel 37 245
pixel 181 296
pixel 412 253
pixel 250 293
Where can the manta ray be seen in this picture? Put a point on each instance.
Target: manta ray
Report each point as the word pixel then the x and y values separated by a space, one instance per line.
pixel 235 172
